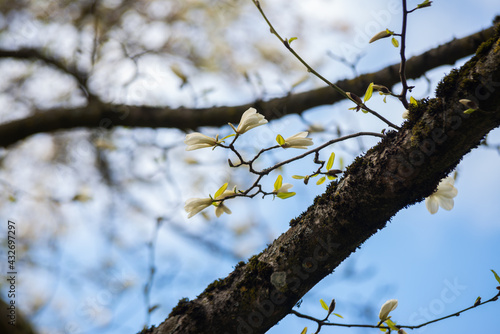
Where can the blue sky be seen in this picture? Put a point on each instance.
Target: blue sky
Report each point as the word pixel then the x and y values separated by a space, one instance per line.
pixel 433 264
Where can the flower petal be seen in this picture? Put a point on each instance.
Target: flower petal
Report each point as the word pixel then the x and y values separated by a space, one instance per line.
pixel 198 140
pixel 443 197
pixel 388 306
pixel 446 203
pixel 197 146
pixel 284 188
pixel 195 205
pixel 298 140
pixel 447 190
pixel 220 209
pixel 249 120
pixel 431 204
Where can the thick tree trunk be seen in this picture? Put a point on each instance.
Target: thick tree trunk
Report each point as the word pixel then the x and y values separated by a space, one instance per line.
pixel 401 170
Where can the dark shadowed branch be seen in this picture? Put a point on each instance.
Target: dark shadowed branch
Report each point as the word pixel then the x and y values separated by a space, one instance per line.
pixel 103 115
pixel 54 62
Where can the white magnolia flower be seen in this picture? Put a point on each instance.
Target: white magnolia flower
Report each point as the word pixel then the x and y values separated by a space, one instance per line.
pixel 298 140
pixel 388 306
pixel 281 189
pixel 316 127
pixel 220 207
pixel 249 120
pixel 443 197
pixel 195 205
pixel 227 193
pixel 284 188
pixel 198 140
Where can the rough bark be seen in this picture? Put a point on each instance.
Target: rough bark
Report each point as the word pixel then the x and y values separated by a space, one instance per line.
pixel 101 115
pixel 401 170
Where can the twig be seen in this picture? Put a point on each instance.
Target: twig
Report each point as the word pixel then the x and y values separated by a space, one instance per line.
pixel 456 314
pixel 402 68
pixel 268 170
pixel 203 242
pixel 60 64
pixel 152 270
pixel 317 149
pixel 313 71
pixel 324 322
pixel 95 44
pixel 352 65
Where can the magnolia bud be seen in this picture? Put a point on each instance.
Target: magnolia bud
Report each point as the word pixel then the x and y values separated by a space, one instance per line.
pixel 354 97
pixel 468 103
pixel 383 34
pixel 332 307
pixel 424 4
pixel 381 89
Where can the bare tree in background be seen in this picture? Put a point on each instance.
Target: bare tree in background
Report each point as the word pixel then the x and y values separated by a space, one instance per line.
pixel 82 90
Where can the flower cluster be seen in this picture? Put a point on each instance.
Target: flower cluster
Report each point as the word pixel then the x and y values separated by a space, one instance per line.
pixel 195 205
pixel 249 120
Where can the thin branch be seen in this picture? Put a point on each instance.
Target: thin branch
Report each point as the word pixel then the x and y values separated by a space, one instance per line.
pixel 262 173
pixel 287 45
pixel 58 63
pixel 152 271
pixel 95 43
pixel 313 71
pixel 317 149
pixel 352 65
pixel 456 314
pixel 402 69
pixel 325 322
pixel 200 240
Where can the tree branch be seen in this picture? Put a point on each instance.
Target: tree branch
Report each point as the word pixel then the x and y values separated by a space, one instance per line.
pixel 100 115
pixel 401 170
pixel 60 64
